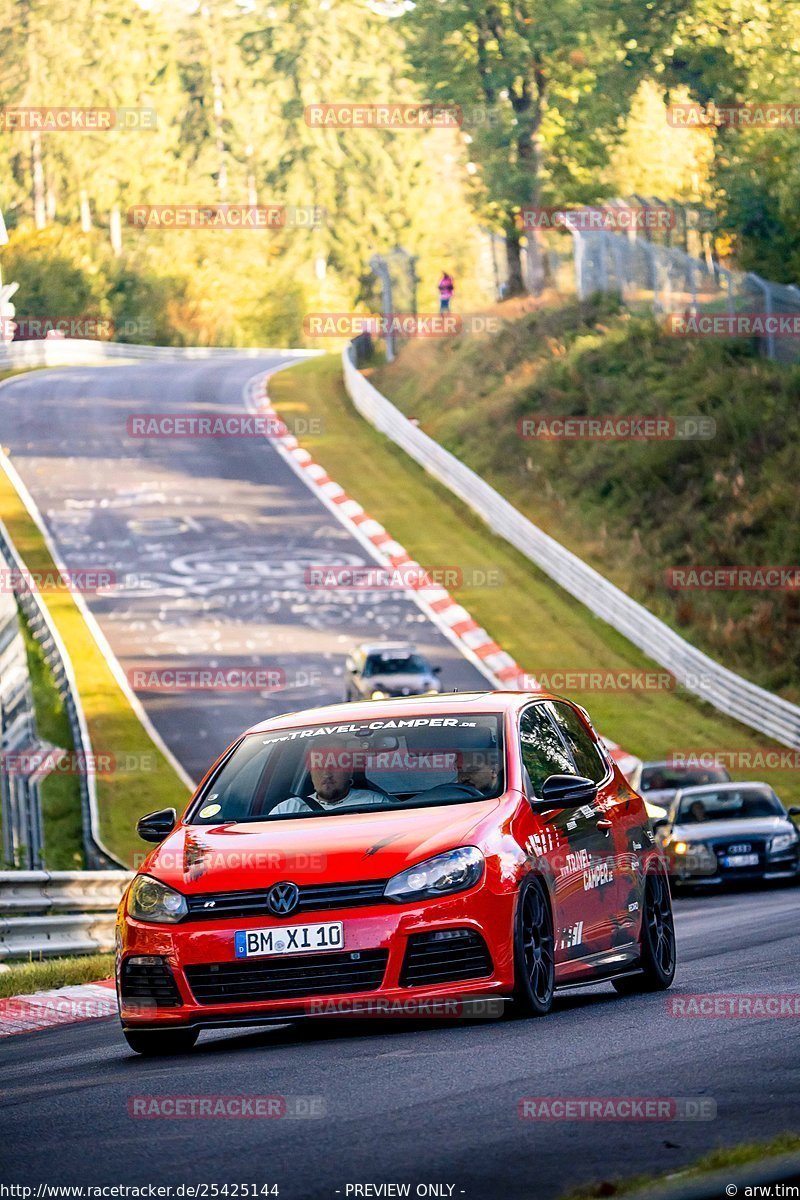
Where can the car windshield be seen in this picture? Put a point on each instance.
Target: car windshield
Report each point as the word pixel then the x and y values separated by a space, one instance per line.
pixel 395 664
pixel 319 770
pixel 662 778
pixel 739 804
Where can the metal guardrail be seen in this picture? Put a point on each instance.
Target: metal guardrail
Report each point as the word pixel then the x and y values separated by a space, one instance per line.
pixel 58 912
pixel 694 670
pixel 66 352
pixel 58 660
pixel 20 799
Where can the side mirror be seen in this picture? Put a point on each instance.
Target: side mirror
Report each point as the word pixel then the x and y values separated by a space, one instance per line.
pixel 437 670
pixel 794 811
pixel 564 790
pixel 155 826
pixel 661 823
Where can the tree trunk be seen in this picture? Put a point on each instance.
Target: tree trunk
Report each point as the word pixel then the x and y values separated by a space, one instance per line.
pixel 51 198
pixel 37 171
pixel 86 212
pixel 115 231
pixel 516 283
pixel 537 263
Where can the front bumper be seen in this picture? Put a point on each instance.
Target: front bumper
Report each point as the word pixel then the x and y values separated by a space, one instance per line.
pixel 386 928
pixel 781 866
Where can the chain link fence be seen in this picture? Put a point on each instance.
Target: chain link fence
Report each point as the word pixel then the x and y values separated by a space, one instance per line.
pixel 667 267
pixel 691 294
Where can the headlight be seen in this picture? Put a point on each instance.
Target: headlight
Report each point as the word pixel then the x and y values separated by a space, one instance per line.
pixel 784 841
pixel 439 876
pixel 150 900
pixel 695 858
pixel 379 695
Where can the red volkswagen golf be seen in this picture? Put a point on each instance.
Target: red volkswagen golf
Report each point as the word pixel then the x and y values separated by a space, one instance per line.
pixel 416 856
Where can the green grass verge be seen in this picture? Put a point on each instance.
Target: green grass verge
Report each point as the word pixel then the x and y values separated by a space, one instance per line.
pixel 23 978
pixel 724 1157
pixel 634 509
pixel 150 781
pixel 533 619
pixel 61 795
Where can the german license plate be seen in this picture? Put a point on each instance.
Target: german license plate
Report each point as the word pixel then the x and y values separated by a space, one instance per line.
pixel 289 939
pixel 740 860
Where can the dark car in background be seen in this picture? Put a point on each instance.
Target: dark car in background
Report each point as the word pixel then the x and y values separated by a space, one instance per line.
pixel 728 833
pixel 659 781
pixel 381 670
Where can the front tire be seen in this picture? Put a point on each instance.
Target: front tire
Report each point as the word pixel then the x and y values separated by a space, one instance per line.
pixel 657 944
pixel 151 1042
pixel 534 951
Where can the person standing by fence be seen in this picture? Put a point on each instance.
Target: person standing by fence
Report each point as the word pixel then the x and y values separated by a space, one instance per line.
pixel 446 290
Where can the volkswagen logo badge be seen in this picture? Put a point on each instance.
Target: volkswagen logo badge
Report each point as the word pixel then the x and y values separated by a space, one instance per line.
pixel 283 898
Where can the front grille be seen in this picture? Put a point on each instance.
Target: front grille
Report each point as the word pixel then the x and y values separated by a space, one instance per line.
pixel 288 978
pixel 313 898
pixel 730 845
pixel 445 956
pixel 147 982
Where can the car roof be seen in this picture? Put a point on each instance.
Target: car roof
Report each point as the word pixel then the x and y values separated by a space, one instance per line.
pixel 671 766
pixel 405 706
pixel 382 647
pixel 732 786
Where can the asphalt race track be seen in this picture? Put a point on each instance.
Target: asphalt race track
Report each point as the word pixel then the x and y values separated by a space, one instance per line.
pixel 208 539
pixel 435 1102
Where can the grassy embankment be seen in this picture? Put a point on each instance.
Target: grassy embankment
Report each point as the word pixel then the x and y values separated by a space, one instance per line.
pixel 23 978
pixel 634 509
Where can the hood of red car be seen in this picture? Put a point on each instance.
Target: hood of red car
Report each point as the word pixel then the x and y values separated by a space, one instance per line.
pixel 331 849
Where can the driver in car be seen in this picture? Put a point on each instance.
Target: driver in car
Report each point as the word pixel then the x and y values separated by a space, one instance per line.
pixel 332 778
pixel 476 777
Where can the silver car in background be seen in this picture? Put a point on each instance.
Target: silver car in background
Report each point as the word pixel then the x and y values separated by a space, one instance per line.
pixel 729 833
